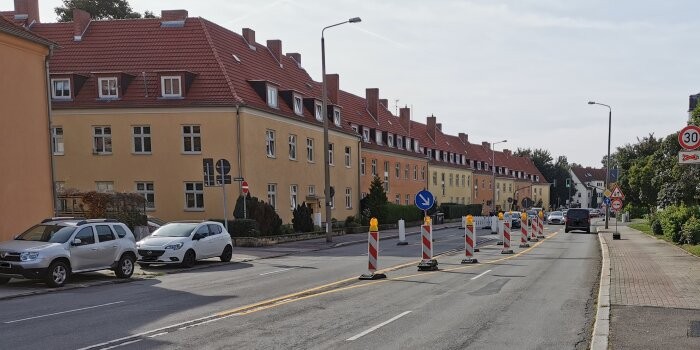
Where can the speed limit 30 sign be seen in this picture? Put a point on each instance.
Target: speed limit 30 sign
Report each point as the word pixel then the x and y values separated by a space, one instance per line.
pixel 689 137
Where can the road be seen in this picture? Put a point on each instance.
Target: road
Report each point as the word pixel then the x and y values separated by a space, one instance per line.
pixel 538 298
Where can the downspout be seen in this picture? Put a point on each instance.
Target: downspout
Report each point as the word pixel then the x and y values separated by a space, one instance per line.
pixel 359 175
pixel 238 148
pixel 54 194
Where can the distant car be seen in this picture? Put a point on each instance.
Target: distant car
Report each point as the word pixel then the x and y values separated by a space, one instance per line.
pixel 578 219
pixel 596 213
pixel 59 247
pixel 514 219
pixel 555 218
pixel 185 242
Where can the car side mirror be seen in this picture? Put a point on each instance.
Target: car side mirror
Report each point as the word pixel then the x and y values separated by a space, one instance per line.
pixel 76 242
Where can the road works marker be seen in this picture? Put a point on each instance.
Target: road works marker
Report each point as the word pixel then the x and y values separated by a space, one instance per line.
pixel 469 240
pixel 427 263
pixel 540 225
pixel 523 231
pixel 533 230
pixel 506 236
pixel 373 252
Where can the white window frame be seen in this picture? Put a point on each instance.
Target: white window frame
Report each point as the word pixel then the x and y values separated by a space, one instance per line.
pixel 378 137
pixel 348 198
pixel 407 172
pixel 192 135
pixel 390 140
pixel 147 190
pixel 54 83
pixel 331 147
pixel 57 141
pixel 103 138
pixel 408 199
pixel 197 194
pixel 399 142
pixel 363 164
pixel 397 200
pixel 293 196
pixel 336 116
pixel 397 170
pixel 318 112
pixel 415 172
pixel 312 190
pixel 270 143
pixel 272 93
pixel 355 128
pixel 365 135
pixel 348 157
pixel 374 167
pixel 298 103
pixel 292 147
pixel 169 81
pixel 309 150
pixel 112 91
pixel 272 195
pixel 104 186
pixel 140 139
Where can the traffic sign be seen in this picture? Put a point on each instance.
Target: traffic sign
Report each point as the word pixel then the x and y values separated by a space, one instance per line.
pixel 606 201
pixel 607 193
pixel 616 204
pixel 424 200
pixel 223 167
pixel 244 187
pixel 689 137
pixel 617 193
pixel 689 157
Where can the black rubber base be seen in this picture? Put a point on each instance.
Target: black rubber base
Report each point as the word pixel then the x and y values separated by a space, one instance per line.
pixel 534 240
pixel 509 251
pixel 499 243
pixel 476 250
pixel 470 261
pixel 372 276
pixel 616 236
pixel 541 237
pixel 525 245
pixel 402 243
pixel 428 265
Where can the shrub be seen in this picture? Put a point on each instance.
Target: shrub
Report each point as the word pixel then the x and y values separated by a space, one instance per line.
pixel 395 212
pixel 635 211
pixel 656 228
pixel 672 219
pixel 691 231
pixel 269 223
pixel 302 220
pixel 457 211
pixel 243 228
pixel 352 225
pixel 287 229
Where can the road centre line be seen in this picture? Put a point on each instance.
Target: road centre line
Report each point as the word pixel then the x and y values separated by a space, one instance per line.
pixel 278 271
pixel 62 312
pixel 378 326
pixel 483 273
pixel 122 344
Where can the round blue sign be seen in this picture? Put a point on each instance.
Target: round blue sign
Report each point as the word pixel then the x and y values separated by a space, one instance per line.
pixel 424 200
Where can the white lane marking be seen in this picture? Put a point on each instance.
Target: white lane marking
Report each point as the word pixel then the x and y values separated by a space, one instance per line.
pixel 122 344
pixel 378 326
pixel 157 334
pixel 485 272
pixel 277 271
pixel 62 312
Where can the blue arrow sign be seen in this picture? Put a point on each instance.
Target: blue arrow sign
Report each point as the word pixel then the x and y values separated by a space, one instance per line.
pixel 424 200
pixel 606 200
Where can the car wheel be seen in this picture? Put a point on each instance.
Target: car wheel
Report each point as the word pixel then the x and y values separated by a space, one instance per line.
pixel 189 259
pixel 566 230
pixel 144 264
pixel 227 254
pixel 125 266
pixel 4 280
pixel 57 274
pixel 588 230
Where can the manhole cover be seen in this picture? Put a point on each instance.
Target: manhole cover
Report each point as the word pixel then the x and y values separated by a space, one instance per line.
pixel 694 329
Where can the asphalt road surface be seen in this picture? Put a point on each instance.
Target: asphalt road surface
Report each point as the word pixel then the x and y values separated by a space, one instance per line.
pixel 537 298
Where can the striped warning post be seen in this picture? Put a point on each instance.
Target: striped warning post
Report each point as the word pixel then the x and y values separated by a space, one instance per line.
pixel 533 230
pixel 506 238
pixel 540 226
pixel 523 231
pixel 469 241
pixel 427 262
pixel 373 252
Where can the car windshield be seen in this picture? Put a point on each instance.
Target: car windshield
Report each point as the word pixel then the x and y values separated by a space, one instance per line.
pixel 531 212
pixel 556 213
pixel 47 233
pixel 175 230
pixel 577 214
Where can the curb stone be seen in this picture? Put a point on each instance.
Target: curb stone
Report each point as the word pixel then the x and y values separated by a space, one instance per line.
pixel 601 328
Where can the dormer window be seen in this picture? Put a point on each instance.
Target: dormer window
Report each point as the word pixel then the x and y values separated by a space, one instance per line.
pixel 298 105
pixel 365 134
pixel 336 116
pixel 108 87
pixel 478 165
pixel 417 147
pixel 60 89
pixel 171 86
pixel 319 111
pixel 272 96
pixel 379 137
pixel 399 142
pixel 355 128
pixel 390 140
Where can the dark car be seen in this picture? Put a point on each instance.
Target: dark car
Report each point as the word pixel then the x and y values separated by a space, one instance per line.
pixel 578 219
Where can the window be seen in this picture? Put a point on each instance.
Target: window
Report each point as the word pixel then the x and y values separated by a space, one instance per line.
pixel 293 195
pixel 319 112
pixel 398 199
pixel 214 229
pixel 336 116
pixel 390 140
pixel 365 135
pixel 374 167
pixel 348 160
pixel 272 96
pixel 86 236
pixel 408 199
pixel 348 198
pixel 415 172
pixel 272 195
pixel 406 171
pixel 386 176
pixel 170 86
pixel 194 195
pixel 398 170
pixel 378 135
pixel 102 140
pixel 270 143
pixel 57 141
pixel 422 173
pixel 60 88
pixel 434 178
pixel 362 166
pixel 104 233
pixel 142 139
pixel 293 147
pixel 399 142
pixel 121 232
pixel 312 191
pixel 191 139
pixel 330 154
pixel 451 182
pixel 298 105
pixel 104 186
pixel 108 87
pixel 310 149
pixel 146 190
pixel 355 128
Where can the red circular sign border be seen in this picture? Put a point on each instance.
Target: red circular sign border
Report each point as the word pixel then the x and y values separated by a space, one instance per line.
pixel 680 138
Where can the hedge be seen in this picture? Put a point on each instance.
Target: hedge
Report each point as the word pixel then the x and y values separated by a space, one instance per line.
pixel 672 219
pixel 457 211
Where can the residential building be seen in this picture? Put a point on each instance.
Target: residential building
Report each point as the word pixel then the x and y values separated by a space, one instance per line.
pixel 586 181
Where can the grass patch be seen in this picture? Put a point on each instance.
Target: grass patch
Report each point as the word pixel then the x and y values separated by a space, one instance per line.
pixel 641 225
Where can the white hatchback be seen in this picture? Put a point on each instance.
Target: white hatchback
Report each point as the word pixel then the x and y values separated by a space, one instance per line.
pixel 185 242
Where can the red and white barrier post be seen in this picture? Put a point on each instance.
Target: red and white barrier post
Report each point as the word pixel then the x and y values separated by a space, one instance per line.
pixel 540 228
pixel 427 262
pixel 533 230
pixel 523 231
pixel 469 242
pixel 506 235
pixel 373 252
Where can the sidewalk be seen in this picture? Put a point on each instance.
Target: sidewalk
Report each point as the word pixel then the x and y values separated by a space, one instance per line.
pixel 654 293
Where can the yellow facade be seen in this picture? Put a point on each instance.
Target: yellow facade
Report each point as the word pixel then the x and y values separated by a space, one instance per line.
pixel 541 192
pixel 505 189
pixel 26 194
pixel 449 184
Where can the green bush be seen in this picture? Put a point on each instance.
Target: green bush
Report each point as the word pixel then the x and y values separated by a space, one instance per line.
pixel 302 220
pixel 673 217
pixel 269 223
pixel 243 228
pixel 394 212
pixel 352 225
pixel 656 228
pixel 635 211
pixel 457 211
pixel 691 231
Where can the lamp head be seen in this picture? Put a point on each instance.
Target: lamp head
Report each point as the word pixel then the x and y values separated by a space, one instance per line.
pixel 355 20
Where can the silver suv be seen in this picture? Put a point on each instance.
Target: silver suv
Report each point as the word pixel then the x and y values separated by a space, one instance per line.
pixel 58 247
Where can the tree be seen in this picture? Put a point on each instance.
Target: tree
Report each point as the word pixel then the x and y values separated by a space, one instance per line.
pixel 594 198
pixel 374 205
pixel 301 218
pixel 98 9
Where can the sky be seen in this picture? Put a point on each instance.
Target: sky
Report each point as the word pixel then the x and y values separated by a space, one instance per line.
pixel 521 70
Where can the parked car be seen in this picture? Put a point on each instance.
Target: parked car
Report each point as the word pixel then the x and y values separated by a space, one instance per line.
pixel 514 218
pixel 185 242
pixel 59 247
pixel 578 219
pixel 555 218
pixel 596 213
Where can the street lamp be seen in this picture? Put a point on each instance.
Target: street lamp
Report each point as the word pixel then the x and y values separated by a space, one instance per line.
pixel 607 161
pixel 324 113
pixel 493 168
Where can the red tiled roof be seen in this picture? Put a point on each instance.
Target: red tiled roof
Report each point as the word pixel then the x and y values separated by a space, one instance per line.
pixel 10 27
pixel 589 174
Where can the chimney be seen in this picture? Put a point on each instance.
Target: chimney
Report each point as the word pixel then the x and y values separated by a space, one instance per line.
pixel 275 46
pixel 173 15
pixel 439 126
pixel 372 97
pixel 405 117
pixel 384 102
pixel 332 87
pixel 464 137
pixel 486 145
pixel 431 126
pixel 81 20
pixel 29 8
pixel 249 36
pixel 507 152
pixel 296 57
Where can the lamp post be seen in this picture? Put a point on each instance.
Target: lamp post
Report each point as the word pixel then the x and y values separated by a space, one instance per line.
pixel 607 161
pixel 493 168
pixel 324 113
